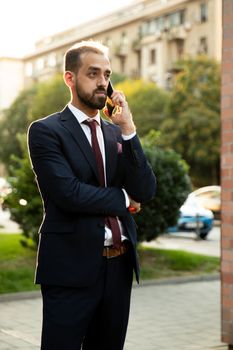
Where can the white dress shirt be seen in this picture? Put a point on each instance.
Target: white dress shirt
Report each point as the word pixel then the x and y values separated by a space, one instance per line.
pixel 81 117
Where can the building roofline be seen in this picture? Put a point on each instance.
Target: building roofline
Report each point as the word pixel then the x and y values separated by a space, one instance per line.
pixel 128 14
pixel 10 58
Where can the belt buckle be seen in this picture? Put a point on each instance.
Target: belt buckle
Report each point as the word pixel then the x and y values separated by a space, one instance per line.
pixel 107 253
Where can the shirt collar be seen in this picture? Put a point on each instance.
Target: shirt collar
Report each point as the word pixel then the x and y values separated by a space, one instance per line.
pixel 80 116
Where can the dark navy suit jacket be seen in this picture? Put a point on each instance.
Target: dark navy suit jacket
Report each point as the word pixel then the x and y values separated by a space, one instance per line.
pixel 72 231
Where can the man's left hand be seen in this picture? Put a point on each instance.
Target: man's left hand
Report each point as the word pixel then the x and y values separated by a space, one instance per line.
pixel 121 114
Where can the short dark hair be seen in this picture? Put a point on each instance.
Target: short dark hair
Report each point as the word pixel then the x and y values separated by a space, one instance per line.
pixel 72 58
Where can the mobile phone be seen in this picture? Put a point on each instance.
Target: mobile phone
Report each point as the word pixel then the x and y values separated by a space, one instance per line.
pixel 109 107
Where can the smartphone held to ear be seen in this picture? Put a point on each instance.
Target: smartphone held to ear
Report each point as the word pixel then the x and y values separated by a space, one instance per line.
pixel 109 107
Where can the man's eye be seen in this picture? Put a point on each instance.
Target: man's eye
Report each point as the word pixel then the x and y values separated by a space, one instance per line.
pixel 92 74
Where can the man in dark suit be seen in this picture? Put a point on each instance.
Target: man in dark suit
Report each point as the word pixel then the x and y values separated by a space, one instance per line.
pixel 88 177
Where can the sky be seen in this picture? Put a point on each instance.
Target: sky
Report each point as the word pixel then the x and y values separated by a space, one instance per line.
pixel 23 22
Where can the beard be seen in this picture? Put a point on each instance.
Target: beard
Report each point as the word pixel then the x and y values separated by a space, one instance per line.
pixel 92 101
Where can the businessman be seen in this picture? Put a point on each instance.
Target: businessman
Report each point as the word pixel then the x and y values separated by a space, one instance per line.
pixel 89 172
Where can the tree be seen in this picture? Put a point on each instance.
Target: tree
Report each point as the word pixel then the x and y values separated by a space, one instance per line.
pixel 13 122
pixel 173 187
pixel 24 201
pixel 192 127
pixel 51 96
pixel 36 102
pixel 147 102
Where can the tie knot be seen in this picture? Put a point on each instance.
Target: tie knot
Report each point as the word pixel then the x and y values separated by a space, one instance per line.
pixel 92 124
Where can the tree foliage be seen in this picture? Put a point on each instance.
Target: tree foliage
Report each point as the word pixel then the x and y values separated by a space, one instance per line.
pixel 147 102
pixel 36 102
pixel 51 96
pixel 13 122
pixel 192 127
pixel 24 201
pixel 173 186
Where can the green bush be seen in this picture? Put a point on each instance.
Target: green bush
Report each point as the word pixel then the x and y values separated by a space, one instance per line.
pixel 173 186
pixel 24 201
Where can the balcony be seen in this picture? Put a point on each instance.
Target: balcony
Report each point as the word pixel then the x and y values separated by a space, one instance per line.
pixel 177 33
pixel 122 50
pixel 136 45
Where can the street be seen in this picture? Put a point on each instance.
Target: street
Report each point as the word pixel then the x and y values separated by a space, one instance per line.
pixel 7 225
pixel 188 241
pixel 179 240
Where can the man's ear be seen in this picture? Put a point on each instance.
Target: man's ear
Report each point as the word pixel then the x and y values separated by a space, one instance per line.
pixel 69 78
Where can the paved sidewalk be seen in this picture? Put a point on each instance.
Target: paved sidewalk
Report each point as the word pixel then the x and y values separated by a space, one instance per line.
pixel 188 241
pixel 178 316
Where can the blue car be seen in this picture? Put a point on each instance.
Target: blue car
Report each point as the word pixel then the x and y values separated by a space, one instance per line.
pixel 194 218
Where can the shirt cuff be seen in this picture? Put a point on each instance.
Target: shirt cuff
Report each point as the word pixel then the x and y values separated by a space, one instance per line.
pixel 128 137
pixel 127 202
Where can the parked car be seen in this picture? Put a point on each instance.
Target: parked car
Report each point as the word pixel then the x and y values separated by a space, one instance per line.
pixel 194 218
pixel 210 198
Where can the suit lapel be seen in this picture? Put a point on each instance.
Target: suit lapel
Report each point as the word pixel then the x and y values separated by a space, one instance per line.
pixel 70 123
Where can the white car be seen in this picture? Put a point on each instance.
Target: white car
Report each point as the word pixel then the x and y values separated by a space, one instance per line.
pixel 210 198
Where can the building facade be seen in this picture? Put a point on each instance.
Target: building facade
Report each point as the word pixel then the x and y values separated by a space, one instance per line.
pixel 145 39
pixel 11 80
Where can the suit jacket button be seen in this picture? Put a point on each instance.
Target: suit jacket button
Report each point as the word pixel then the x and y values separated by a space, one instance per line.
pixel 101 224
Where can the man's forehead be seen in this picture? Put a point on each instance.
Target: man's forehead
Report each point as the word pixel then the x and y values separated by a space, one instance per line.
pixel 92 59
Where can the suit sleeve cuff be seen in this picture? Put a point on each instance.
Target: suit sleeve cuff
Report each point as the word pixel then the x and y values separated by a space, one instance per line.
pixel 127 202
pixel 128 137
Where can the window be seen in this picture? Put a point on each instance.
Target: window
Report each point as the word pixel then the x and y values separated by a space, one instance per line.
pixel 144 29
pixel 174 19
pixel 203 12
pixel 28 69
pixel 152 27
pixel 122 64
pixel 40 64
pixel 152 56
pixel 182 16
pixel 52 60
pixel 108 42
pixel 203 46
pixel 160 23
pixel 180 48
pixel 124 39
pixel 177 18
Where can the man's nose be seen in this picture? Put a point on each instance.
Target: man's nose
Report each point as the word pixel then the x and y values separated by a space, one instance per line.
pixel 102 81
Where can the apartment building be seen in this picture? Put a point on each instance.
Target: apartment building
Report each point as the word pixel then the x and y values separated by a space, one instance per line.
pixel 11 80
pixel 145 39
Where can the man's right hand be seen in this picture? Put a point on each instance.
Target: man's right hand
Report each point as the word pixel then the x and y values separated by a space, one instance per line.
pixel 134 207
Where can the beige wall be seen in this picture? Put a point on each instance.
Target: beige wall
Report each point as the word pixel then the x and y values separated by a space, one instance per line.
pixel 120 41
pixel 211 28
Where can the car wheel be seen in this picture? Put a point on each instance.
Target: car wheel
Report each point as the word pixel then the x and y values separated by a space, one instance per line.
pixel 203 235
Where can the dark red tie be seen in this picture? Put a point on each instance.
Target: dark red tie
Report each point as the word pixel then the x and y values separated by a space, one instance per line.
pixel 111 221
